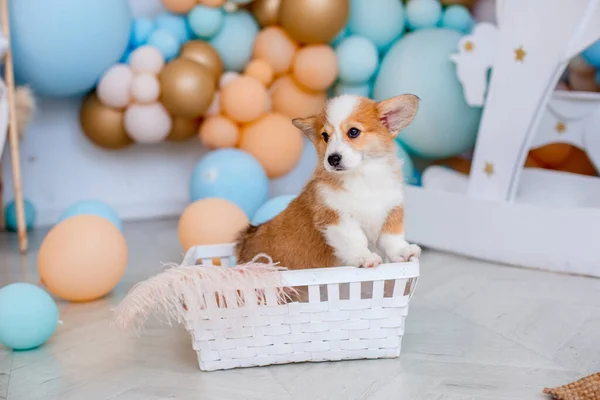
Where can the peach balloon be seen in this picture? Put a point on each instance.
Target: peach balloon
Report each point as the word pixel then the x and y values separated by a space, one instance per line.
pixel 210 221
pixel 113 89
pixel 212 3
pixel 179 6
pixel 276 47
pixel 218 132
pixel 82 258
pixel 315 67
pixel 291 100
pixel 261 71
pixel 552 154
pixel 145 88
pixel 147 59
pixel 244 99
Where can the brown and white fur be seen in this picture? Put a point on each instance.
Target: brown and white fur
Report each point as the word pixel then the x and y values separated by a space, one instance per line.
pixel 351 212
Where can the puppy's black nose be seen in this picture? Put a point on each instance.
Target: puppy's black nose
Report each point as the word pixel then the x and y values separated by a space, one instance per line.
pixel 334 159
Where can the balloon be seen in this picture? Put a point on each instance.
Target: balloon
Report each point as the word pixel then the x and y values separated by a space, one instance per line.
pixel 179 6
pixel 266 12
pixel 29 316
pixel 314 21
pixel 165 42
pixel 233 175
pixel 215 105
pixel 183 129
pixel 578 162
pixel 10 215
pixel 147 123
pixel 274 142
pixel 592 54
pixel 271 209
pixel 176 25
pixel 294 181
pixel 532 162
pixel 419 63
pixel 227 78
pixel 343 34
pixel 291 100
pixel 235 40
pixel 103 125
pixel 244 99
pixel 422 14
pixel 82 258
pixel 219 132
pixel 62 47
pixel 141 30
pixel 203 53
pixel 205 21
pixel 114 86
pixel 466 3
pixel 276 47
pixel 147 59
pixel 381 22
pixel 93 207
pixel 315 67
pixel 210 221
pixel 485 11
pixel 552 154
pixel 261 71
pixel 361 89
pixel 187 88
pixel 145 88
pixel 358 60
pixel 457 17
pixel 212 3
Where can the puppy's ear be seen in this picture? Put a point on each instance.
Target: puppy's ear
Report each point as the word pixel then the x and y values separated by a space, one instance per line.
pixel 307 126
pixel 397 112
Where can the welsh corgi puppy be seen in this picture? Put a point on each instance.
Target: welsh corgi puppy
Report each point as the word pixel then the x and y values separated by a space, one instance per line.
pixel 351 212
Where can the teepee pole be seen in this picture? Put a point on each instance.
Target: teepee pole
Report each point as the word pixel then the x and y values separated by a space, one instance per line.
pixel 13 134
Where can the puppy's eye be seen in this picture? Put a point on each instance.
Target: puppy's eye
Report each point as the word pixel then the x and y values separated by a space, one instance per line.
pixel 353 133
pixel 325 136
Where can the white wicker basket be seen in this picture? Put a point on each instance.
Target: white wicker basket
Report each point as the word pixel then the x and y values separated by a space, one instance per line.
pixel 351 313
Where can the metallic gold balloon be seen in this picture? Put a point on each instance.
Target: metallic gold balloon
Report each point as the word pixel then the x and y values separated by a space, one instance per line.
pixel 103 125
pixel 313 21
pixel 266 12
pixel 187 88
pixel 203 53
pixel 183 129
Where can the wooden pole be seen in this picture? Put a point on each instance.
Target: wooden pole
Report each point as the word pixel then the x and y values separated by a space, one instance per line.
pixel 13 134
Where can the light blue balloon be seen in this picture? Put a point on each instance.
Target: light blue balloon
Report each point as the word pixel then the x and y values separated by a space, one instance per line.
pixel 592 54
pixel 205 21
pixel 419 63
pixel 165 42
pixel 271 209
pixel 176 25
pixel 28 316
pixel 141 30
pixel 380 21
pixel 62 47
pixel 343 34
pixel 235 40
pixel 422 14
pixel 357 59
pixel 10 215
pixel 233 175
pixel 361 89
pixel 408 167
pixel 457 17
pixel 93 207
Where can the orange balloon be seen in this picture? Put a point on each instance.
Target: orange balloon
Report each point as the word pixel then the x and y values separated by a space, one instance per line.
pixel 212 3
pixel 210 221
pixel 179 6
pixel 244 99
pixel 552 154
pixel 315 67
pixel 291 100
pixel 261 71
pixel 532 162
pixel 578 162
pixel 217 132
pixel 82 258
pixel 276 47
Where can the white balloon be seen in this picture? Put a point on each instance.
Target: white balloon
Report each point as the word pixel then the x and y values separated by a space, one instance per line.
pixel 226 78
pixel 145 88
pixel 114 86
pixel 147 59
pixel 147 123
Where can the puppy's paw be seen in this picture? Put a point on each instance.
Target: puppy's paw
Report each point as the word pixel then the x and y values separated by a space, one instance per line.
pixel 370 261
pixel 406 253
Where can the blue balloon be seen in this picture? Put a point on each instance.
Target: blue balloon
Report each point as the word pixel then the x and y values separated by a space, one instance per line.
pixel 62 47
pixel 357 59
pixel 408 167
pixel 381 21
pixel 205 21
pixel 235 40
pixel 271 209
pixel 141 30
pixel 93 207
pixel 28 316
pixel 457 17
pixel 176 25
pixel 419 63
pixel 361 89
pixel 233 175
pixel 165 42
pixel 592 54
pixel 10 215
pixel 422 14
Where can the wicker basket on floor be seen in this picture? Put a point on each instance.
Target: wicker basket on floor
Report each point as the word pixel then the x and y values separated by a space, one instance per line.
pixel 351 313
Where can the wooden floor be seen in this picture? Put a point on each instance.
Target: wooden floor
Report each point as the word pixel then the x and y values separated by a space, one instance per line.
pixel 474 331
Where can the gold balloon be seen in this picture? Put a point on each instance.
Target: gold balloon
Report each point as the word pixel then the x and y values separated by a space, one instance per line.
pixel 466 3
pixel 313 21
pixel 266 12
pixel 103 125
pixel 183 129
pixel 203 53
pixel 187 88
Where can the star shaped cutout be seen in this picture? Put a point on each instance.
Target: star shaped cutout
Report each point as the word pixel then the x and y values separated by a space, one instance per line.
pixel 469 46
pixel 520 54
pixel 561 128
pixel 489 169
